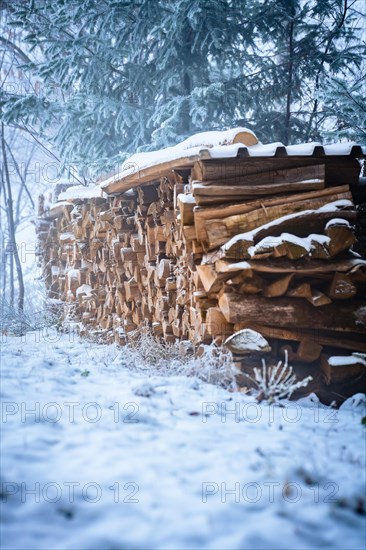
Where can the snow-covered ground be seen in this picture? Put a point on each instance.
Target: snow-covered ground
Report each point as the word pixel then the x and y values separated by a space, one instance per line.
pixel 98 456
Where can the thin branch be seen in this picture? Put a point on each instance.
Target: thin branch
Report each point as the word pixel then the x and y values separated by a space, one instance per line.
pixel 20 175
pixel 15 49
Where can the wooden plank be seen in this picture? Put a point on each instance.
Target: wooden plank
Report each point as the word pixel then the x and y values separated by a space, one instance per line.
pixel 339 170
pixel 271 177
pixel 220 169
pixel 222 194
pixel 303 267
pixel 150 174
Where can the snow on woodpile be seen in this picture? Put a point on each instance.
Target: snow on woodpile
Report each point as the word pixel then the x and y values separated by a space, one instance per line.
pixel 141 167
pixel 81 192
pixel 208 244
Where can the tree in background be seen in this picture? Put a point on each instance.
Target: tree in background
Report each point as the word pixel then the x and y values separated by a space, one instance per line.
pixel 122 76
pixel 344 100
pixel 23 175
pixel 298 45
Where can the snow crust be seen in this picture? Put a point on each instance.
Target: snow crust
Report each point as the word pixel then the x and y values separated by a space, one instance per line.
pixel 68 236
pixel 187 198
pixel 305 242
pixel 337 221
pixel 52 206
pixel 213 138
pixel 337 361
pixel 84 289
pixel 157 457
pixel 72 274
pixel 218 142
pixel 81 192
pixel 247 341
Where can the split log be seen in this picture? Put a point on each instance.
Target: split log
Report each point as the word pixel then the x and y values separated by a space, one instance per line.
pixel 313 296
pixel 186 204
pixel 304 266
pixel 248 342
pixel 219 231
pixel 341 368
pixel 300 224
pixel 278 287
pixel 220 211
pixel 340 234
pixel 342 287
pixel 210 278
pixel 216 323
pixel 286 312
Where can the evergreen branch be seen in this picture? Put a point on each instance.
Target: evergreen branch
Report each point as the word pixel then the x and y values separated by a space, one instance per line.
pixel 19 53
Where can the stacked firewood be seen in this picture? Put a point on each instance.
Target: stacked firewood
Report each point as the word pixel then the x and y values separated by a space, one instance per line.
pixel 213 246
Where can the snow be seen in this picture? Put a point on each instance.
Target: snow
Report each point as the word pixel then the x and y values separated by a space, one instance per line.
pixel 56 205
pixel 336 205
pixel 84 289
pixel 337 221
pixel 338 361
pixel 247 341
pixel 68 236
pixel 73 274
pixel 264 150
pixel 250 235
pixel 187 198
pixel 167 462
pixel 341 148
pixel 213 138
pixel 268 243
pixel 302 149
pixel 81 192
pixel 223 267
pixel 218 143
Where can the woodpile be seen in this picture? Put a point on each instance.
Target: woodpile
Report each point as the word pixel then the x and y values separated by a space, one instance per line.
pixel 201 246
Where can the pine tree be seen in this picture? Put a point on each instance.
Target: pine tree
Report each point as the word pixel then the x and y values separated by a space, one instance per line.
pixel 124 76
pixel 298 44
pixel 345 102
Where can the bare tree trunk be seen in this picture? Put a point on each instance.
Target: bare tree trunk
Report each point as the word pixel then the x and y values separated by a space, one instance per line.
pixel 8 253
pixel 289 84
pixel 3 259
pixel 11 263
pixel 9 203
pixel 187 84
